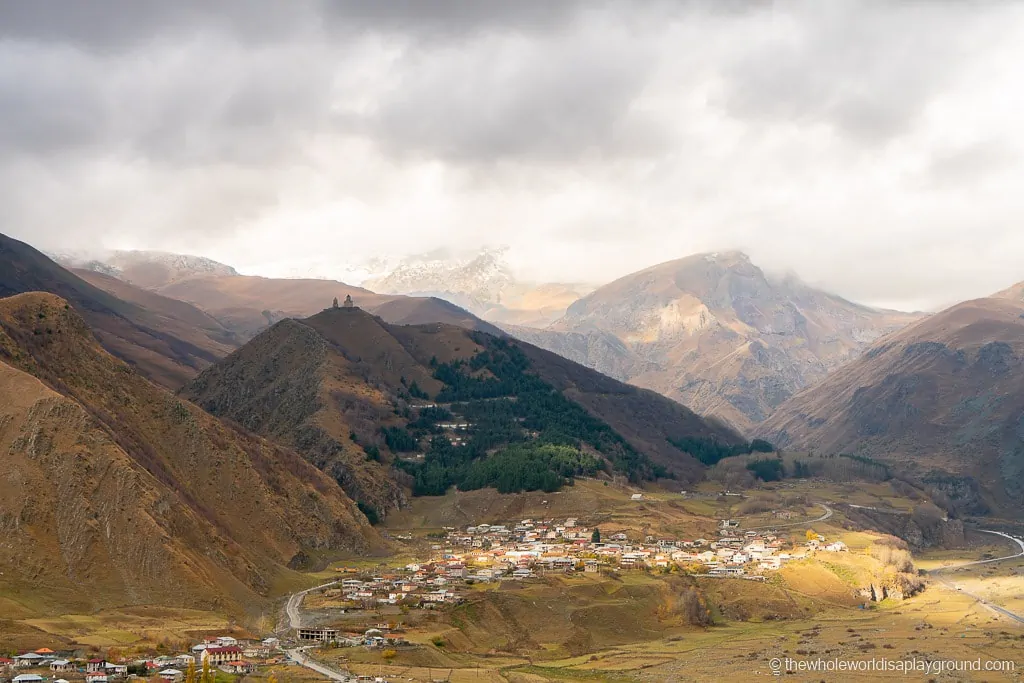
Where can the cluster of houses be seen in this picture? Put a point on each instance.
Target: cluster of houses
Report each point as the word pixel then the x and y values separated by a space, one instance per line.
pixel 224 653
pixel 415 585
pixel 486 552
pixel 494 552
pixel 36 665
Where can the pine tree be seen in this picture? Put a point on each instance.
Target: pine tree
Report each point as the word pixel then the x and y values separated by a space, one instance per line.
pixel 596 536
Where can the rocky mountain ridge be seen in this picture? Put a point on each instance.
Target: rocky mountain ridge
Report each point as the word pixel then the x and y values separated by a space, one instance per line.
pixel 715 332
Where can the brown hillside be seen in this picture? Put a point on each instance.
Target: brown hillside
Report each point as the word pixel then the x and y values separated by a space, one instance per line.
pixel 163 345
pixel 247 304
pixel 407 310
pixel 945 394
pixel 313 383
pixel 1014 292
pixel 116 486
pixel 716 333
pixel 293 384
pixel 172 310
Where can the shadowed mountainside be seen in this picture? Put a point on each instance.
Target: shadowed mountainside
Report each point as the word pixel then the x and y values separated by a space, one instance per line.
pixel 944 398
pixel 168 343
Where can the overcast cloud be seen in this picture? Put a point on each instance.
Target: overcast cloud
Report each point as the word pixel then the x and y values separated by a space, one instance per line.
pixel 874 148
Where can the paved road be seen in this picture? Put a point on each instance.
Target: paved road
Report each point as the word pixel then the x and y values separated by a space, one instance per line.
pixel 291 608
pixel 299 656
pixel 937 573
pixel 827 515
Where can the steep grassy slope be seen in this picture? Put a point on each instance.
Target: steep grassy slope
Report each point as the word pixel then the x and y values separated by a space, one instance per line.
pixel 117 492
pixel 716 333
pixel 356 395
pixel 163 345
pixel 290 384
pixel 943 397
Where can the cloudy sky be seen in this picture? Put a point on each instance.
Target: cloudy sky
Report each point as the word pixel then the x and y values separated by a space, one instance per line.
pixel 872 147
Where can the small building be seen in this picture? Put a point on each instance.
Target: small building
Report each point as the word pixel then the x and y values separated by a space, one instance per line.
pixel 238 667
pixel 222 655
pixel 727 571
pixel 96 666
pixel 173 675
pixel 114 670
pixel 61 665
pixel 637 496
pixel 318 634
pixel 28 678
pixel 28 659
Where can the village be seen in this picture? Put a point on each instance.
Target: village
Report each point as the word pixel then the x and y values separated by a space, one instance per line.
pixel 485 553
pixel 225 654
pixel 458 560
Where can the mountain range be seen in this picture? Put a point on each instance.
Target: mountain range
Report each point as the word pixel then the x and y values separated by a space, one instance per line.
pixel 355 395
pixel 768 355
pixel 717 333
pixel 279 452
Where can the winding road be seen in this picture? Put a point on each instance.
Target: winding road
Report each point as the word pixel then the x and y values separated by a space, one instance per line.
pixel 937 573
pixel 291 608
pixel 828 514
pixel 293 611
pixel 300 657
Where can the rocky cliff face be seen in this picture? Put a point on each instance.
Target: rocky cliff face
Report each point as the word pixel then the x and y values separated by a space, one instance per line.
pixel 716 333
pixel 117 492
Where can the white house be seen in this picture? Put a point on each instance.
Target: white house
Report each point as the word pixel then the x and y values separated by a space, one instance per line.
pixel 27 660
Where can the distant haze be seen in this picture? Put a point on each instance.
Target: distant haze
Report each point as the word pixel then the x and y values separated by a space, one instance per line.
pixel 874 148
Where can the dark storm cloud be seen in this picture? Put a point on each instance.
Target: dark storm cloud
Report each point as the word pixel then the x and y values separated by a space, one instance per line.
pixel 197 81
pixel 123 24
pixel 120 24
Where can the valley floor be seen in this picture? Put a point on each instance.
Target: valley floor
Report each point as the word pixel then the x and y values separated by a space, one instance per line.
pixel 630 625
